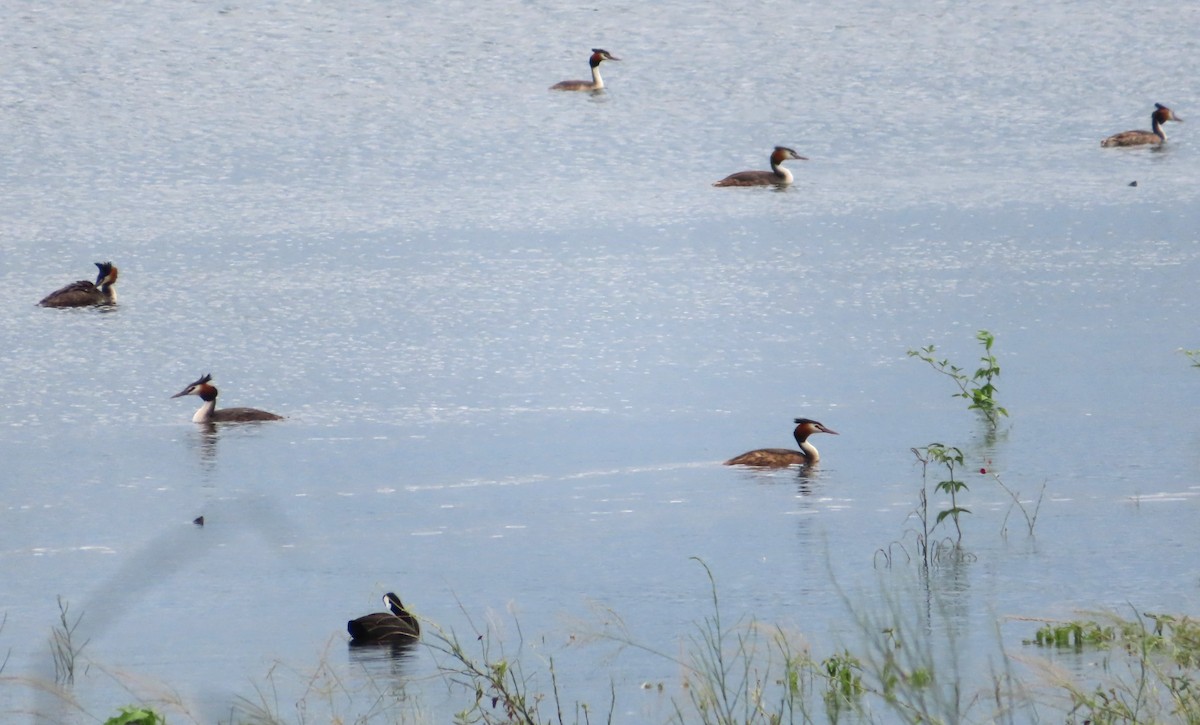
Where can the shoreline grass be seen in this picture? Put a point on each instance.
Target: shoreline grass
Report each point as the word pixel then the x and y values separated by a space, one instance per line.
pixel 744 671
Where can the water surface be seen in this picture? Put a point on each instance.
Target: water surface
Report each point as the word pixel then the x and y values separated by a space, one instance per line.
pixel 515 332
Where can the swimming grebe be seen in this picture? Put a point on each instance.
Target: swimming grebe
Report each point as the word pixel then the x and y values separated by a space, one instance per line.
pixel 777 175
pixel 596 83
pixel 393 626
pixel 84 293
pixel 208 412
pixel 783 457
pixel 1161 115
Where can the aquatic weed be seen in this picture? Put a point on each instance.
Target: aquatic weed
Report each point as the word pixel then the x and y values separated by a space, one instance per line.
pixel 131 715
pixel 979 388
pixel 501 691
pixel 1030 517
pixel 1153 678
pixel 951 458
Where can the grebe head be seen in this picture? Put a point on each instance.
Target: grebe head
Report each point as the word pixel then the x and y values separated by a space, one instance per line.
pixel 807 426
pixel 599 55
pixel 394 605
pixel 783 153
pixel 107 275
pixel 202 387
pixel 1162 114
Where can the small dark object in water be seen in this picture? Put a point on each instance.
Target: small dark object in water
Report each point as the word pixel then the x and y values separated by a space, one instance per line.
pixel 1133 183
pixel 396 626
pixel 199 521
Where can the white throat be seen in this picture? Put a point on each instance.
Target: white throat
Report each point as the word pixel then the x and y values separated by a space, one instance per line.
pixel 205 413
pixel 811 451
pixel 1158 129
pixel 782 171
pixel 597 81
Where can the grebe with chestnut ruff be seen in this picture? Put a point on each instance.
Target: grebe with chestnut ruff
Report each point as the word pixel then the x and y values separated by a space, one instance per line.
pixel 599 55
pixel 783 457
pixel 1161 115
pixel 778 175
pixel 208 412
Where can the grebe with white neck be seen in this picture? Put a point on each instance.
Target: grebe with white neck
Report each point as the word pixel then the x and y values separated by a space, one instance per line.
pixel 599 55
pixel 208 412
pixel 778 175
pixel 84 293
pixel 395 626
pixel 784 457
pixel 1161 115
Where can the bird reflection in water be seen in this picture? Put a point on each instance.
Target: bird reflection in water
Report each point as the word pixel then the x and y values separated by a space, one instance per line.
pixel 204 442
pixel 386 659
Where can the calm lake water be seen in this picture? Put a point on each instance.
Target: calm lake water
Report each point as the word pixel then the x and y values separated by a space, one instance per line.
pixel 514 333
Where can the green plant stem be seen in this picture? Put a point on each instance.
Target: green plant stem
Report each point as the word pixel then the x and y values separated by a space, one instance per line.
pixel 979 388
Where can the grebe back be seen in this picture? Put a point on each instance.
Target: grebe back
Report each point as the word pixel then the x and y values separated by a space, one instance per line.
pixel 208 412
pixel 599 55
pixel 783 457
pixel 84 293
pixel 778 175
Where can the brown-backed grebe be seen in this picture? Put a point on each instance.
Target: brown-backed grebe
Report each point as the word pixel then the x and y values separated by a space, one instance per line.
pixel 778 175
pixel 84 293
pixel 599 55
pixel 1161 115
pixel 208 412
pixel 783 457
pixel 397 625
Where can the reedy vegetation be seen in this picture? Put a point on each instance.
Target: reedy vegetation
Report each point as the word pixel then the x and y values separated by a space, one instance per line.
pixel 63 646
pixel 1150 674
pixel 749 673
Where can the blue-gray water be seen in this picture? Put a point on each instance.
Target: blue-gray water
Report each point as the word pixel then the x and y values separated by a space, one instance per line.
pixel 514 332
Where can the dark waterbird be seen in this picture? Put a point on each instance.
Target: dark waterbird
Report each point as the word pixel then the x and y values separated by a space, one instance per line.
pixel 84 293
pixel 395 626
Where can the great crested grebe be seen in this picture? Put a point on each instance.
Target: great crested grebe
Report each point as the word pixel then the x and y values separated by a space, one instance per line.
pixel 783 457
pixel 393 626
pixel 84 293
pixel 777 175
pixel 1161 115
pixel 208 412
pixel 599 55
